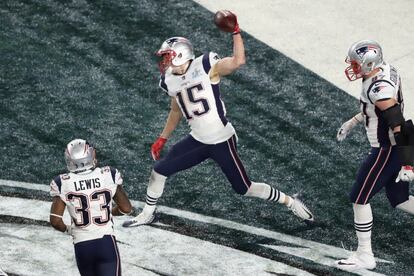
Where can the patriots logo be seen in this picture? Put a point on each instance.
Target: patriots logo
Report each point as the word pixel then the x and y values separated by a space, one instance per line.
pixel 196 73
pixel 363 50
pixel 171 41
pixel 378 88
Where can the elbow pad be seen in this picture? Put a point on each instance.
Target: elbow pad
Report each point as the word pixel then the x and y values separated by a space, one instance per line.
pixel 393 116
pixel 405 143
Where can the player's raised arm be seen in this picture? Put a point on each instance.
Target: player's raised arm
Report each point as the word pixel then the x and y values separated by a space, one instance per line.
pixel 227 22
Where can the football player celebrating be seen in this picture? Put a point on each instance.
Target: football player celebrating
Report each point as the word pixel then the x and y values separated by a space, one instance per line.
pixel 193 85
pixel 390 161
pixel 87 191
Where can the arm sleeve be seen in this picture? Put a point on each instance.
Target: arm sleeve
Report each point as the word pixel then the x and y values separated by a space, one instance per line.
pixel 381 90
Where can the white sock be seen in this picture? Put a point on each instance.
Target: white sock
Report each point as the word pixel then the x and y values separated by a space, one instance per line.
pixel 407 206
pixel 363 225
pixel 154 191
pixel 265 191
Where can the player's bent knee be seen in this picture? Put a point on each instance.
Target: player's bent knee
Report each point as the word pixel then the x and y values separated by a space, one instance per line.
pixel 156 184
pixel 397 200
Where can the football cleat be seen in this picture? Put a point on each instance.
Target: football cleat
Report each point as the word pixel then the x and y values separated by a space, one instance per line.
pixel 300 210
pixel 141 219
pixel 358 260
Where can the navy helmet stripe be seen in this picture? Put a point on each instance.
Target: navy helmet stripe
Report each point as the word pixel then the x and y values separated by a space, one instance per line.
pixel 206 62
pixel 162 83
pixel 219 103
pixel 58 182
pixel 113 173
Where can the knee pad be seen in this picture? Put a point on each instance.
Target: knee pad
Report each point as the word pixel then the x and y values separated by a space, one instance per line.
pixel 398 199
pixel 407 206
pixel 156 184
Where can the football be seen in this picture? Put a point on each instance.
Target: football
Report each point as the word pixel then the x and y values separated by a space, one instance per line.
pixel 225 20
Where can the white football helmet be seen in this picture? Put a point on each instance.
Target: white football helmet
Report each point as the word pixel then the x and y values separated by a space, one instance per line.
pixel 363 57
pixel 175 51
pixel 80 156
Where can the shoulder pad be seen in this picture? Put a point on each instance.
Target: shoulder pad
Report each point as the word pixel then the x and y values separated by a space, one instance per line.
pixel 209 59
pixel 380 90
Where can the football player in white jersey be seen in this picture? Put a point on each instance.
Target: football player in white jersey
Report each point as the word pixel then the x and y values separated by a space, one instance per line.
pixel 390 161
pixel 193 85
pixel 87 192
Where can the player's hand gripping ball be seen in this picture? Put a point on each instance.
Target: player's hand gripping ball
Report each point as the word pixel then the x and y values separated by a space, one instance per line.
pixel 226 21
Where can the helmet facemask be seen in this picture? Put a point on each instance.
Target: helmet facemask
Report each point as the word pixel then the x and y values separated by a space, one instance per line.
pixel 166 59
pixel 363 56
pixel 175 51
pixel 353 71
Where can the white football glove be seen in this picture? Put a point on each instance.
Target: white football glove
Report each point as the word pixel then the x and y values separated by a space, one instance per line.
pixel 348 126
pixel 406 174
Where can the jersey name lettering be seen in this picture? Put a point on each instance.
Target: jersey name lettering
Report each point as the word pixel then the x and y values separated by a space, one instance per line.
pixel 82 185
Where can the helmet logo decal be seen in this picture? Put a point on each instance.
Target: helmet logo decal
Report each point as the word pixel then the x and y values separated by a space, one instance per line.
pixel 363 50
pixel 171 41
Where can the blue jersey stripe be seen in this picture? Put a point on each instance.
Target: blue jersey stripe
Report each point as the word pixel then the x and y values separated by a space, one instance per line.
pixel 162 83
pixel 113 173
pixel 206 62
pixel 58 182
pixel 219 104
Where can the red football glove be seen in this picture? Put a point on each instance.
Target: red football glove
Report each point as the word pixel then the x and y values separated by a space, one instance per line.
pixel 157 147
pixel 236 27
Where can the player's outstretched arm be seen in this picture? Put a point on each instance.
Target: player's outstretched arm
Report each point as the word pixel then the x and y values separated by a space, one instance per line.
pixel 56 214
pixel 174 117
pixel 123 206
pixel 348 126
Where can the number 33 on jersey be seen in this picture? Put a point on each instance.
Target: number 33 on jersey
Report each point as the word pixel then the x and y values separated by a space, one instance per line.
pixel 199 100
pixel 88 199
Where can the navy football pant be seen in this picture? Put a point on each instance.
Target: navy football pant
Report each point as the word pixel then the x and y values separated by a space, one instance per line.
pixel 99 257
pixel 189 152
pixel 380 169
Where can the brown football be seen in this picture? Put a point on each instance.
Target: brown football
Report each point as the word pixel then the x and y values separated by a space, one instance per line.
pixel 225 20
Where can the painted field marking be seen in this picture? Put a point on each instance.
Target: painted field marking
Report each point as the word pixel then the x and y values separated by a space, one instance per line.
pixel 317 252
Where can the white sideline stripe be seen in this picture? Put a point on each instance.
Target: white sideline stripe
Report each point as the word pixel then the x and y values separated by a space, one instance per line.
pixel 320 253
pixel 25 185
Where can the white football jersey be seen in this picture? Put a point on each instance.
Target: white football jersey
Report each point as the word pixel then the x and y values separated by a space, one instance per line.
pixel 88 198
pixel 200 101
pixel 385 84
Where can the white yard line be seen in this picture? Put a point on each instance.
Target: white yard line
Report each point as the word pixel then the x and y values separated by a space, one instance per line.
pixel 310 250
